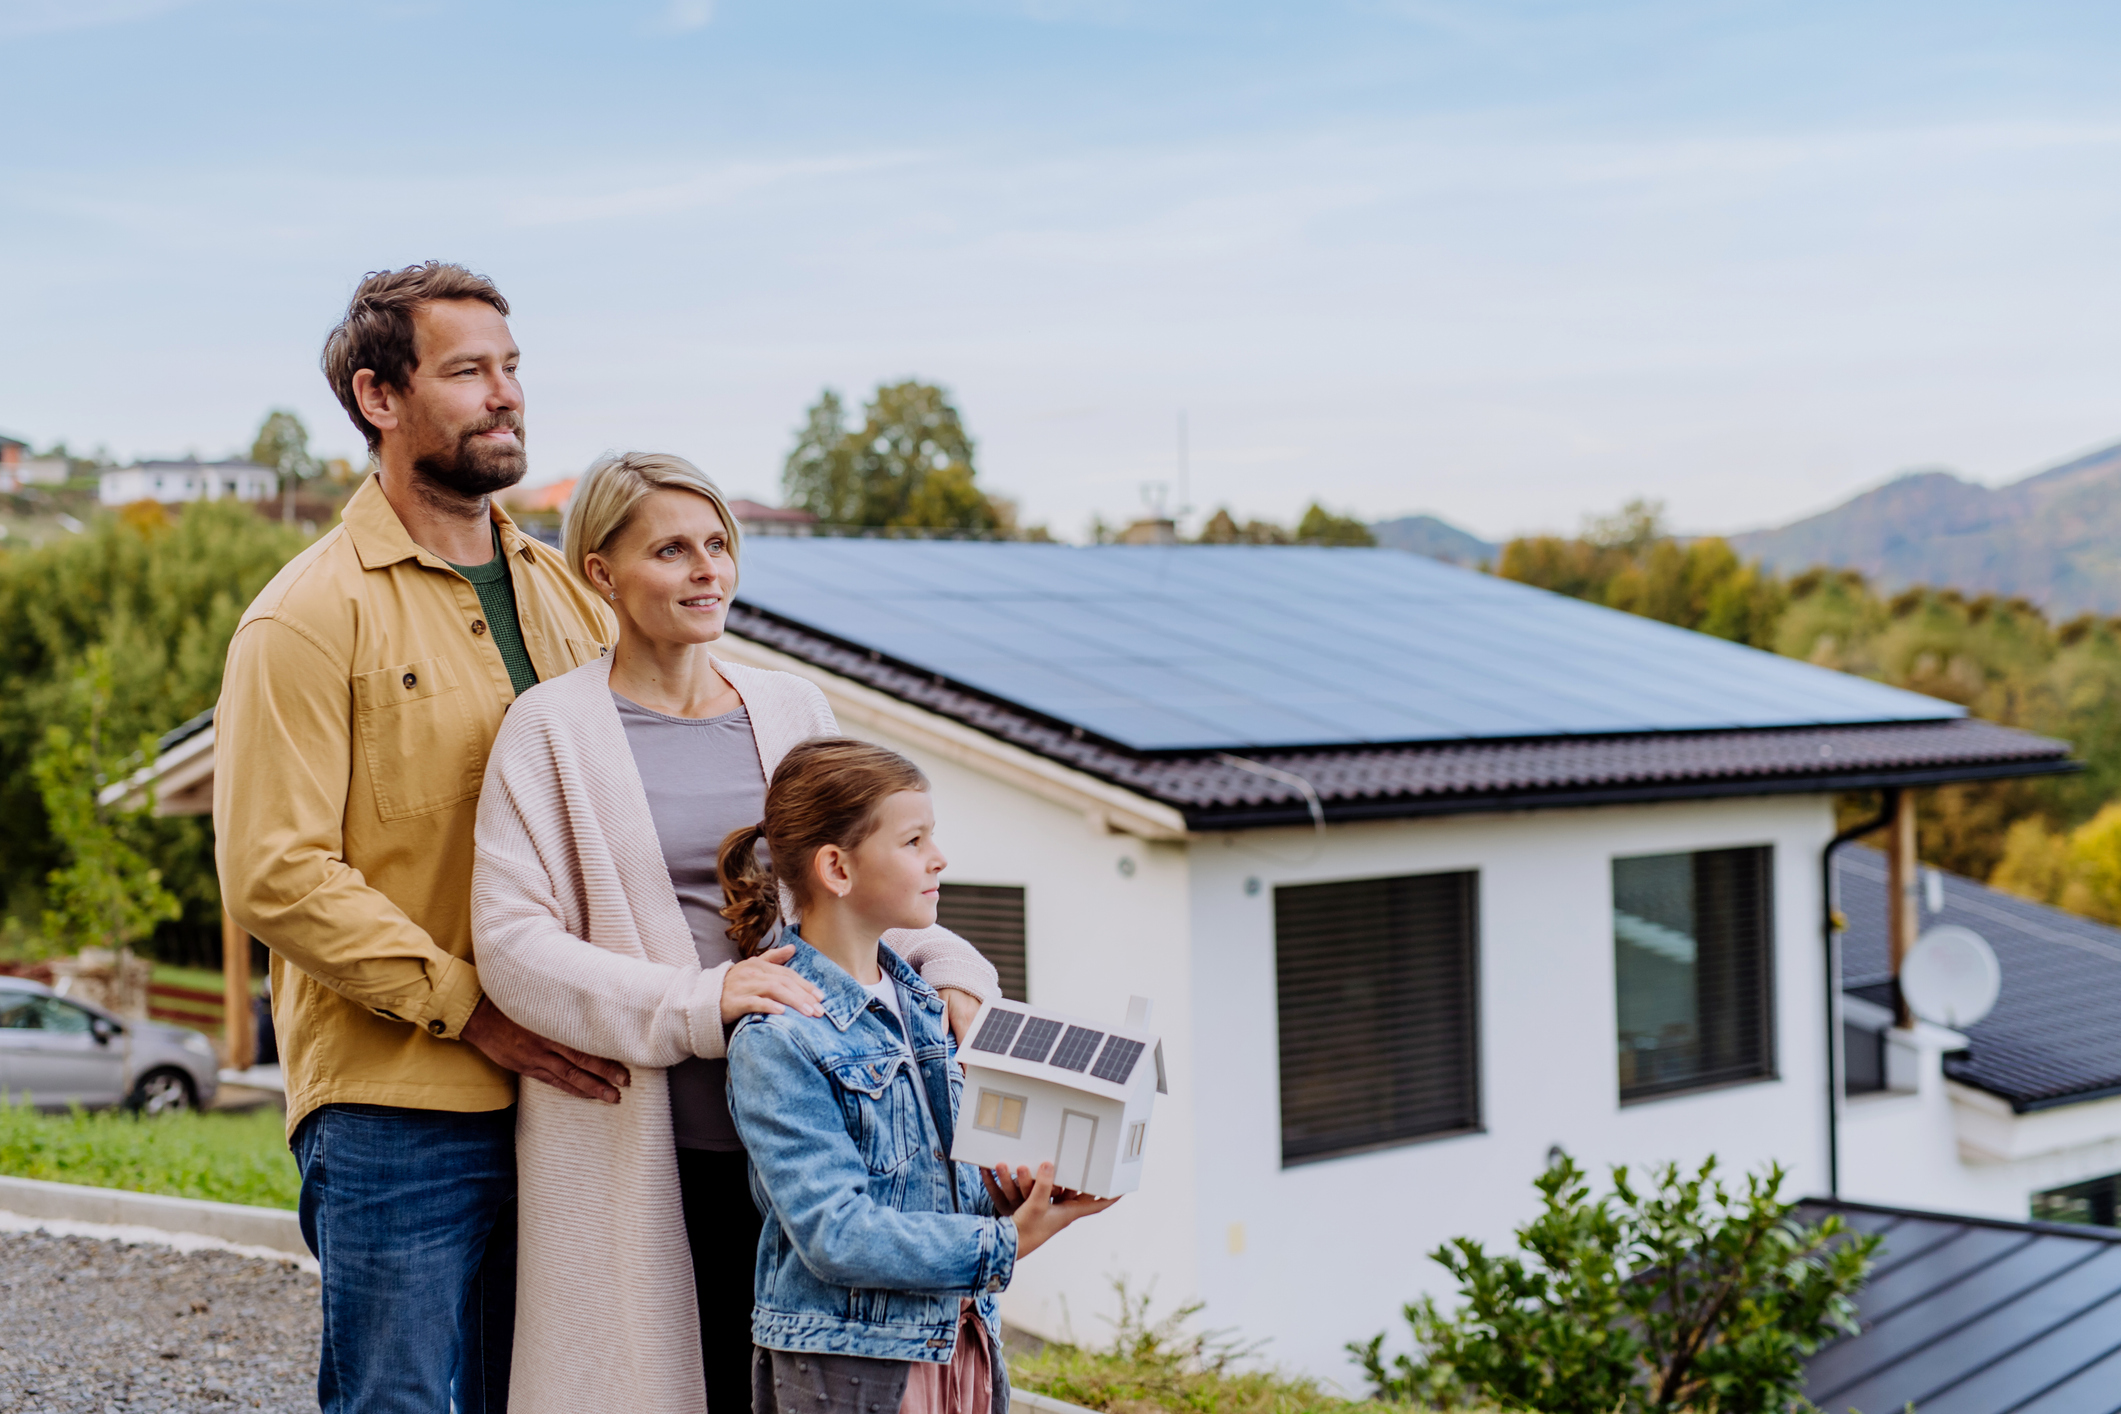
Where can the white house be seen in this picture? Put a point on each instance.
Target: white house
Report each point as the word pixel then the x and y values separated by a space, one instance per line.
pixel 1428 874
pixel 189 480
pixel 1042 1087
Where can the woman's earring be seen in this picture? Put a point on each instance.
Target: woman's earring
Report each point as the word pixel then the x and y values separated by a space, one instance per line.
pixel 614 596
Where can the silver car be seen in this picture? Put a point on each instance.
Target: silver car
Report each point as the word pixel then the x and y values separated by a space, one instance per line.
pixel 57 1051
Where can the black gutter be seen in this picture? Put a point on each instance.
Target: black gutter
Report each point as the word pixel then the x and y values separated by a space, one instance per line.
pixel 1725 788
pixel 1829 931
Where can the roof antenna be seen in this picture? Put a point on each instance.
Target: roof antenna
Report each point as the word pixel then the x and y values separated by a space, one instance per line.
pixel 1185 505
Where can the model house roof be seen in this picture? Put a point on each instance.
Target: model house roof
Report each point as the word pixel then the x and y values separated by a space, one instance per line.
pixel 2054 1037
pixel 1977 1316
pixel 1259 685
pixel 1048 1045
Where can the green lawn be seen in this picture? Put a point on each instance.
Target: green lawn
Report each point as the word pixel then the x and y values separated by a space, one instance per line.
pixel 230 1158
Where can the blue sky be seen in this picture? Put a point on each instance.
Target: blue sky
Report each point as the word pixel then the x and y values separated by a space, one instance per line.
pixel 1508 262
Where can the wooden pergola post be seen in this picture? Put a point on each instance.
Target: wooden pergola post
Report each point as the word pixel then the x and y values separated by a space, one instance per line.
pixel 242 1045
pixel 1903 906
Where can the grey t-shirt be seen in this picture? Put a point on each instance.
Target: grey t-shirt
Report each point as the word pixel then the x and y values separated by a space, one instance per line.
pixel 703 780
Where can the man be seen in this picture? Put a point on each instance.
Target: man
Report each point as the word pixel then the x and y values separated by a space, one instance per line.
pixel 363 690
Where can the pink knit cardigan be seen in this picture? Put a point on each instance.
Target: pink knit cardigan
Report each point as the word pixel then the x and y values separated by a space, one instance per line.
pixel 578 936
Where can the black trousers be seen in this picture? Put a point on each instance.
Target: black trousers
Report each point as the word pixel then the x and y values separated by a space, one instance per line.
pixel 722 1227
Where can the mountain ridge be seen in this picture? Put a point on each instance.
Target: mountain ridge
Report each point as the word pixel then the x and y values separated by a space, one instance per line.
pixel 2052 537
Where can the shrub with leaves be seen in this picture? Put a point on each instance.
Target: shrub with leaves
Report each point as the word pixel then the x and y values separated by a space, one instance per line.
pixel 1681 1295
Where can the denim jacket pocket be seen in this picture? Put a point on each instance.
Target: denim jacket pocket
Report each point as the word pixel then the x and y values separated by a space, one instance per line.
pixel 879 1088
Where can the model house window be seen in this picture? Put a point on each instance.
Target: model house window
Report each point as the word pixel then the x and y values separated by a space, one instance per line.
pixel 1692 955
pixel 1376 990
pixel 1000 1113
pixel 1135 1133
pixel 2091 1202
pixel 991 918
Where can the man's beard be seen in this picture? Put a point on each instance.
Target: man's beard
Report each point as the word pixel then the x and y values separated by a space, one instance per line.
pixel 473 468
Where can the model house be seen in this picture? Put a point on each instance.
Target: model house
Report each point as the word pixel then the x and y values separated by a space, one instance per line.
pixel 189 480
pixel 1429 873
pixel 1041 1087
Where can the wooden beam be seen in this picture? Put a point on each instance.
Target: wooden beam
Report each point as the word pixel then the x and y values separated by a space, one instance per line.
pixel 241 1045
pixel 1903 904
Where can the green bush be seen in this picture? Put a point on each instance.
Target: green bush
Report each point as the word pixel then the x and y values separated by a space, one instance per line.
pixel 1680 1296
pixel 1159 1365
pixel 228 1158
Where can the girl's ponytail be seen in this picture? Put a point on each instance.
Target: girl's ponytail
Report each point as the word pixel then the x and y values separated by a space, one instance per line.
pixel 751 892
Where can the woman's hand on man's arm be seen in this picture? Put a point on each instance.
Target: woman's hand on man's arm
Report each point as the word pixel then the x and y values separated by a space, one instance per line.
pixel 764 984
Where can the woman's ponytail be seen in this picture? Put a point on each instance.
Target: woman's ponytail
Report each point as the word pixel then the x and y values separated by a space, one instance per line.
pixel 751 892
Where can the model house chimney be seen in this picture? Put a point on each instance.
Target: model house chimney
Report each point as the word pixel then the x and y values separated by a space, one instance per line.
pixel 1903 906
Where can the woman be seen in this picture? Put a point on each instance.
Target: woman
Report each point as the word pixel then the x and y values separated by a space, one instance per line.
pixel 596 919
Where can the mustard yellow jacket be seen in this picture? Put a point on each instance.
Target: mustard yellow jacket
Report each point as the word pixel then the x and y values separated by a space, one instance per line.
pixel 361 697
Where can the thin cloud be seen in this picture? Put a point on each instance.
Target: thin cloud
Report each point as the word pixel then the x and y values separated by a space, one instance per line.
pixel 662 198
pixel 684 16
pixel 22 18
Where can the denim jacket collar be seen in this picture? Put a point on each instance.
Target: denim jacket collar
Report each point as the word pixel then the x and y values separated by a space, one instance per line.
pixel 846 999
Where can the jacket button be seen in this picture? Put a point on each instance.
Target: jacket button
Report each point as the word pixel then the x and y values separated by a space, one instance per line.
pixel 941 1155
pixel 411 678
pixel 436 1026
pixel 478 625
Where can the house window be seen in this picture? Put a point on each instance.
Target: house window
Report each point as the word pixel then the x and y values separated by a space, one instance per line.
pixel 1862 1059
pixel 1376 991
pixel 1135 1133
pixel 2091 1202
pixel 991 918
pixel 999 1113
pixel 1692 951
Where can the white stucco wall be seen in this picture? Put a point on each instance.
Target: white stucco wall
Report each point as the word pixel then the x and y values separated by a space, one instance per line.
pixel 1324 1253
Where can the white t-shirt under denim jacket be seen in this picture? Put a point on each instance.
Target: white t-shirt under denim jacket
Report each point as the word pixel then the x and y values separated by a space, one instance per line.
pixel 873 1236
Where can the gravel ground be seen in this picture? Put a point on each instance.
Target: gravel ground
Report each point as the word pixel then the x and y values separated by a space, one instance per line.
pixel 95 1326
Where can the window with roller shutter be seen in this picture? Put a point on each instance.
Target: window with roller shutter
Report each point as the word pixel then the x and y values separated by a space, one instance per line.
pixel 1377 990
pixel 991 918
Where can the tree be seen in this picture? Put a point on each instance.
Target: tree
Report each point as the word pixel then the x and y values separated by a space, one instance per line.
pixel 282 443
pixel 1222 529
pixel 1682 1296
pixel 1320 527
pixel 908 464
pixel 107 893
pixel 160 597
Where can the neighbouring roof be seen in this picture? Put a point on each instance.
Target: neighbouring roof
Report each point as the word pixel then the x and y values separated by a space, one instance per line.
pixel 193 464
pixel 848 625
pixel 749 512
pixel 1244 647
pixel 1977 1316
pixel 2054 1037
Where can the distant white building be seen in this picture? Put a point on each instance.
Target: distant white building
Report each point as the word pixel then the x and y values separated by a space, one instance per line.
pixel 190 480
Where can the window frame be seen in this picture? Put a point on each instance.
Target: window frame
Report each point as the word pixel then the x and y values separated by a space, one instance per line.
pixel 1770 1059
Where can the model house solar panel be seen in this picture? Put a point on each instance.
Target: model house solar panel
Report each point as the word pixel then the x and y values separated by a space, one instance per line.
pixel 1076 1048
pixel 1117 1062
pixel 999 1031
pixel 1159 648
pixel 1037 1039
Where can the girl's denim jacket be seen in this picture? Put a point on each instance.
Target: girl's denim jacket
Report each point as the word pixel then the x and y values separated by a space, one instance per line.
pixel 872 1235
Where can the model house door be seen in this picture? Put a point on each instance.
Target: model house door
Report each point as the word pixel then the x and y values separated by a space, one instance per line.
pixel 1071 1165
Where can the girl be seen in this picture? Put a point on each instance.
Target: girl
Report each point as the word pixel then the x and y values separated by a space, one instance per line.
pixel 880 1258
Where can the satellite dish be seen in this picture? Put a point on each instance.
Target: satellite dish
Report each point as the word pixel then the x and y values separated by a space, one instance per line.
pixel 1951 977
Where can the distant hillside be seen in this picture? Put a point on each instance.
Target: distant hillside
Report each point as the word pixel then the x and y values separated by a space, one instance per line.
pixel 2053 538
pixel 1437 539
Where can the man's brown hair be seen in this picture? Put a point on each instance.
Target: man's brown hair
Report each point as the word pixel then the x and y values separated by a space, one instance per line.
pixel 376 332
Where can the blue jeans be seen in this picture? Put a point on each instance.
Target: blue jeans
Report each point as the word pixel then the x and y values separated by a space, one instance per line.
pixel 412 1216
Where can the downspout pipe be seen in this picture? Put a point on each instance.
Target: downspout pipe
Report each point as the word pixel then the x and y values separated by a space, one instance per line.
pixel 1888 807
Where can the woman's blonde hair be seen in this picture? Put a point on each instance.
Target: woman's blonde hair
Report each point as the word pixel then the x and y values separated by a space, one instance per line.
pixel 825 791
pixel 605 498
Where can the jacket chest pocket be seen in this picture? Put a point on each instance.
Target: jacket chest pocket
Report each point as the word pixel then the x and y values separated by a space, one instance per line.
pixel 884 1115
pixel 419 737
pixel 585 650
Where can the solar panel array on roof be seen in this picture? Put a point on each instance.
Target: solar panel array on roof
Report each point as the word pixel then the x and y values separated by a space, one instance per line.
pixel 1201 647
